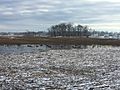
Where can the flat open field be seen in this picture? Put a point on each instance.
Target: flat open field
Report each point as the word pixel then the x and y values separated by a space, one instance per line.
pixel 59 40
pixel 95 68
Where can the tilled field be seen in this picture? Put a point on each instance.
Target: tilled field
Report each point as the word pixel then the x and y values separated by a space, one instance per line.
pixel 95 68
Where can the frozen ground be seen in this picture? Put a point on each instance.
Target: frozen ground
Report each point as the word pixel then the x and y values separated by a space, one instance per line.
pixel 76 69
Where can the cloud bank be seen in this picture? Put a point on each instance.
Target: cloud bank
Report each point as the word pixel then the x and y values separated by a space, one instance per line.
pixel 21 15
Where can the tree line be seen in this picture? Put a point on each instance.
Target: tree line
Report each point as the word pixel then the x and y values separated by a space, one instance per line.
pixel 68 29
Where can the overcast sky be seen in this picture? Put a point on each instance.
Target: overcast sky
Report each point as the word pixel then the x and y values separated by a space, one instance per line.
pixel 36 15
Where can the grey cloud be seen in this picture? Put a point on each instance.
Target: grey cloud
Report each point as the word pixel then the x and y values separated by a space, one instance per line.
pixel 36 12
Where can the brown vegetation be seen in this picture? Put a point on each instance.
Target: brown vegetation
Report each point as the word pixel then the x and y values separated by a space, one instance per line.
pixel 59 40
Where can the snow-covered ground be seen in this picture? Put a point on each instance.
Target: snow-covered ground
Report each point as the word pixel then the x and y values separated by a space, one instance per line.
pixel 95 68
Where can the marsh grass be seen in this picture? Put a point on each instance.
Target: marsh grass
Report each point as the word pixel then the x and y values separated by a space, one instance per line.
pixel 59 41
